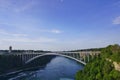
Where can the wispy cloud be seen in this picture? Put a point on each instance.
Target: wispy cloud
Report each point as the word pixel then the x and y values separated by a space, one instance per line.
pixel 16 6
pixel 116 20
pixel 29 40
pixel 25 7
pixel 19 38
pixel 55 31
pixel 5 33
pixel 117 4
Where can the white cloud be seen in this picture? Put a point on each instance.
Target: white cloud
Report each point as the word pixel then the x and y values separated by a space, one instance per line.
pixel 55 31
pixel 116 20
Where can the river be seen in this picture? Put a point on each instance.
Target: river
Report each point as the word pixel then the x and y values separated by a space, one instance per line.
pixel 59 68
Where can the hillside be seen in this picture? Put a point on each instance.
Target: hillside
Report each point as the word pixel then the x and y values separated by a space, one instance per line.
pixel 106 66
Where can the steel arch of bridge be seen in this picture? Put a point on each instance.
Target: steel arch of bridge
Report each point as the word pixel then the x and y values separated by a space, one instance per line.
pixel 57 54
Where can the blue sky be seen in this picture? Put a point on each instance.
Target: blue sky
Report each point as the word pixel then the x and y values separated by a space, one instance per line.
pixel 59 24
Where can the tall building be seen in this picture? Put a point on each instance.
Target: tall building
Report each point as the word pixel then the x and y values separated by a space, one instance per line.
pixel 10 49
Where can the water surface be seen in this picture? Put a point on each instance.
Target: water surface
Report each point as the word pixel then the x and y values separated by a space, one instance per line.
pixel 59 68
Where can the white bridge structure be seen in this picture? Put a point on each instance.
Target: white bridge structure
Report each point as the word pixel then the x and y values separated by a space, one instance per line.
pixel 56 54
pixel 82 57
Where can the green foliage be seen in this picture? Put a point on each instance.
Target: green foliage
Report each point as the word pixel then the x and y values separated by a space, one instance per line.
pixel 100 68
pixel 112 52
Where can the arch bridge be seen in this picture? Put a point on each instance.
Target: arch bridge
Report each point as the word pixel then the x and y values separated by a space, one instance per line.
pixel 81 57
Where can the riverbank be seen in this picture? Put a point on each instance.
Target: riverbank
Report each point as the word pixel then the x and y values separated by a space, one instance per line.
pixel 100 68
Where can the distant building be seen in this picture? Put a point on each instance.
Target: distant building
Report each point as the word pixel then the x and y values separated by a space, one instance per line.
pixel 10 49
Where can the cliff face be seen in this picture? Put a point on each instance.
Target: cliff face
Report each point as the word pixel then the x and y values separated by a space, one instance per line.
pixel 117 66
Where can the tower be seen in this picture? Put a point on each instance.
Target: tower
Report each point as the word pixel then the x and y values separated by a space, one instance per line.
pixel 10 49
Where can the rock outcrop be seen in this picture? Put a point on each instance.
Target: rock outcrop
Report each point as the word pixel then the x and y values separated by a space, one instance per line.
pixel 117 66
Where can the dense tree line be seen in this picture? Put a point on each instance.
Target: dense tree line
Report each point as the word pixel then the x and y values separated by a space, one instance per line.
pixel 9 63
pixel 100 68
pixel 91 49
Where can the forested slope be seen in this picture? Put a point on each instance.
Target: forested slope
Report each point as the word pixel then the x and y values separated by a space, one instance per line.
pixel 103 67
